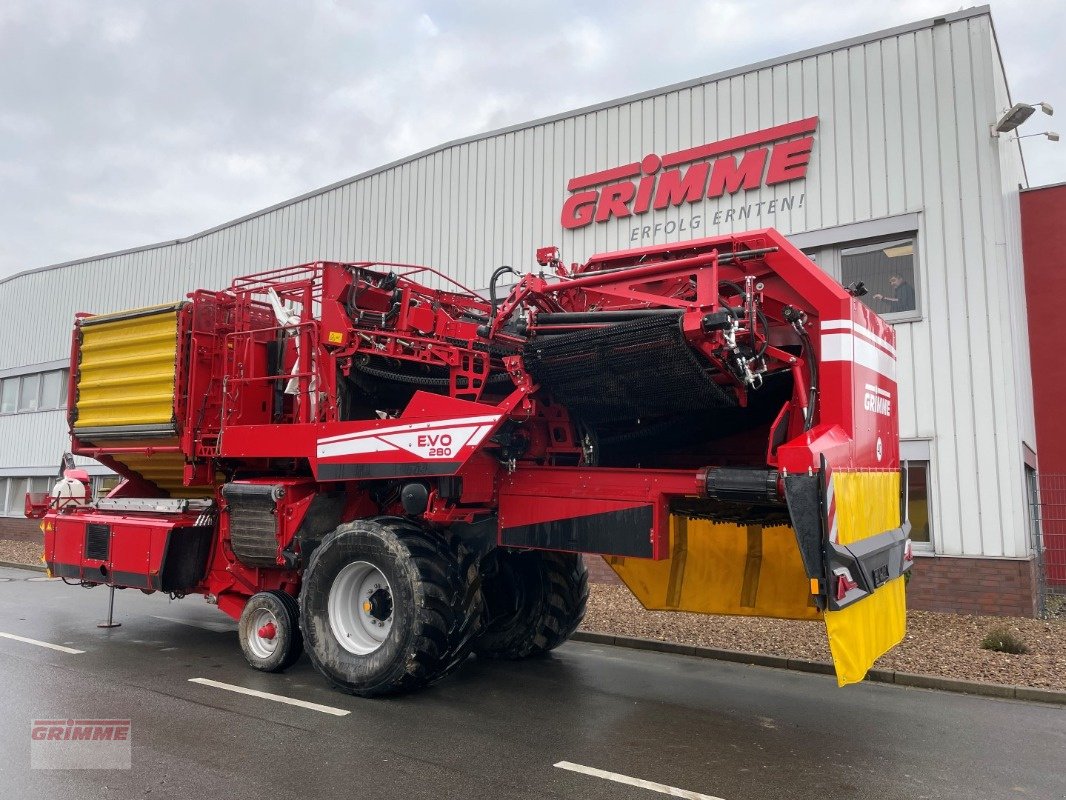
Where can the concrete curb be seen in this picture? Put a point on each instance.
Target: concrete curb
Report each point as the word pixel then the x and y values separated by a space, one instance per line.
pixel 16 565
pixel 823 668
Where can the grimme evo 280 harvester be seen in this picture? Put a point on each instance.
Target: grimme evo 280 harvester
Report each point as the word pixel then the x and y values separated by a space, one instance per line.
pixel 392 475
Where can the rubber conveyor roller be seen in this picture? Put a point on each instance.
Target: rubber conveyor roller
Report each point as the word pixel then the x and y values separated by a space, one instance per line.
pixel 639 369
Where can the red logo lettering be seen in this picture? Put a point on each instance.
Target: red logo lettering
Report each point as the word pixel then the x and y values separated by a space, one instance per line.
pixel 741 163
pixel 433 440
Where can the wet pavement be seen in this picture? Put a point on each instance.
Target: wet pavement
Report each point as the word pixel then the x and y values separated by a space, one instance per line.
pixel 492 730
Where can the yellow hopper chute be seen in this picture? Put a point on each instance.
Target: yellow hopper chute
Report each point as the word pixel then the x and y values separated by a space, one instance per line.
pixel 850 574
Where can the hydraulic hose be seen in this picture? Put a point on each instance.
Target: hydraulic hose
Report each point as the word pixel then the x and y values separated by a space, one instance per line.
pixel 496 275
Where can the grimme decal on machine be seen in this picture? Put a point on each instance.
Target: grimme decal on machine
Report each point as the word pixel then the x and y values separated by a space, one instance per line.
pixel 878 401
pixel 772 156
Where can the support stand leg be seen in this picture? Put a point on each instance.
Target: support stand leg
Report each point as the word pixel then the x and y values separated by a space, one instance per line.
pixel 110 612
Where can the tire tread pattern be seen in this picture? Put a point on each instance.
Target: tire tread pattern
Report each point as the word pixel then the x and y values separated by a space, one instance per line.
pixel 447 614
pixel 552 601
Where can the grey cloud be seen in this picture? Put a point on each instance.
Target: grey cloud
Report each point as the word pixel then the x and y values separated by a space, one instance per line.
pixel 124 123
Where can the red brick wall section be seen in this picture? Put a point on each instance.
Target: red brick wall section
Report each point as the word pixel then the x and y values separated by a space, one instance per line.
pixel 599 572
pixel 22 529
pixel 995 586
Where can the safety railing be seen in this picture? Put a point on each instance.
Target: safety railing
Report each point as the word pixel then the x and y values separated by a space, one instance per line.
pixel 1048 535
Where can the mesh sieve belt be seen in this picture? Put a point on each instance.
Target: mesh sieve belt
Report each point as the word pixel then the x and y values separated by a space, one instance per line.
pixel 632 370
pixel 253 522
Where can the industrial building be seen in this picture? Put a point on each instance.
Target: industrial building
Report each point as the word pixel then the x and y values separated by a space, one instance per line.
pixel 874 154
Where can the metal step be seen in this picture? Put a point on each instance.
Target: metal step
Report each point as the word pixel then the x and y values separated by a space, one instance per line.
pixel 158 505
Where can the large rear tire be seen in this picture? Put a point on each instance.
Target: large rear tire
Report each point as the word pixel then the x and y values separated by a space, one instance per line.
pixel 388 607
pixel 534 601
pixel 269 631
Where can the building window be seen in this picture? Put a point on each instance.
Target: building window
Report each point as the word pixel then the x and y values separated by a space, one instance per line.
pixel 37 391
pixel 13 493
pixel 9 393
pixel 13 496
pixel 887 267
pixel 916 457
pixel 888 271
pixel 30 392
pixel 918 501
pixel 103 484
pixel 53 388
pixel 1032 494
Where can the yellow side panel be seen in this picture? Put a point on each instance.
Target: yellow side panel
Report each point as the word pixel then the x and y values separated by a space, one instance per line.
pixel 865 631
pixel 717 568
pixel 165 470
pixel 867 503
pixel 126 374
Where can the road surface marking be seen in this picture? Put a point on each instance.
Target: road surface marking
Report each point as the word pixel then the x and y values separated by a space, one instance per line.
pixel 39 643
pixel 277 698
pixel 216 627
pixel 662 788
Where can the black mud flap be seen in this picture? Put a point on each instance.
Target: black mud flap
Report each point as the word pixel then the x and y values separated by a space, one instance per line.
pixel 842 574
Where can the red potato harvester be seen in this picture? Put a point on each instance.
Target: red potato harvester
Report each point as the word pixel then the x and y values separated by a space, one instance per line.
pixel 372 463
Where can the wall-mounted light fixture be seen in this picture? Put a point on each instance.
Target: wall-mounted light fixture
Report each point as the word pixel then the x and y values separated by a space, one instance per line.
pixel 1051 135
pixel 1016 115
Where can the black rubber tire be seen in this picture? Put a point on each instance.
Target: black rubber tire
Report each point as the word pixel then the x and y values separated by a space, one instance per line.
pixel 436 602
pixel 534 601
pixel 289 639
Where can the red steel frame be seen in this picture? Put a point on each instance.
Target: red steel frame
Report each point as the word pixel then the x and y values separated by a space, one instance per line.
pixel 233 424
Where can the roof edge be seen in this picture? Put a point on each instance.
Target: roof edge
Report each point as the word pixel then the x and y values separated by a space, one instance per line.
pixel 1058 185
pixel 976 11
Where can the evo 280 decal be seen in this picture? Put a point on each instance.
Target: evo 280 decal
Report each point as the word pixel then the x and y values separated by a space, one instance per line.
pixel 431 441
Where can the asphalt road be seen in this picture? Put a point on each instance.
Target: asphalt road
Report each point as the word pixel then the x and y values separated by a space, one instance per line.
pixel 494 730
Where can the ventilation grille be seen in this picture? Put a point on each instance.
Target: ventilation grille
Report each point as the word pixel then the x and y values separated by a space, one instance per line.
pixel 253 522
pixel 97 541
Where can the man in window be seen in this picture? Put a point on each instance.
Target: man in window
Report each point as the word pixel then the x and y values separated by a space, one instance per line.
pixel 902 298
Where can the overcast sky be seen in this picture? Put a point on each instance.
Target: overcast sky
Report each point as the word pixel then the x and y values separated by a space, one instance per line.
pixel 125 123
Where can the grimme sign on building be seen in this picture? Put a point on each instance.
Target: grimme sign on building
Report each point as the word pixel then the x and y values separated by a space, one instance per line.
pixel 766 157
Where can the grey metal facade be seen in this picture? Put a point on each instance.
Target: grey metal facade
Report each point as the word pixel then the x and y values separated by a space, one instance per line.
pixel 902 147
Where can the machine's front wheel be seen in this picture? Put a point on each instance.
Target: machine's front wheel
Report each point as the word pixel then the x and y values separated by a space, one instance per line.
pixel 269 631
pixel 387 607
pixel 534 601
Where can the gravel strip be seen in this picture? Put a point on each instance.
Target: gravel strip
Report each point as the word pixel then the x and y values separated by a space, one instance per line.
pixel 21 552
pixel 946 645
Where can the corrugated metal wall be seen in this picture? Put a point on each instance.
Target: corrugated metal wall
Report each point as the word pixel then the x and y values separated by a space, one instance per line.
pixel 36 441
pixel 903 128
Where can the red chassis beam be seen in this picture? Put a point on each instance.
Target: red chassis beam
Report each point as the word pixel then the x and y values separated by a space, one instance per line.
pixel 609 511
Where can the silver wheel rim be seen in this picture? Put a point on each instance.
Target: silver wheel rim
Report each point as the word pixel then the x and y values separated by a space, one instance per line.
pixel 260 645
pixel 357 611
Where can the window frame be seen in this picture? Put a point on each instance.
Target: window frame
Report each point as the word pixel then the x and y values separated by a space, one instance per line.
pixel 13 380
pixel 857 247
pixel 13 503
pixel 23 383
pixel 53 400
pixel 920 451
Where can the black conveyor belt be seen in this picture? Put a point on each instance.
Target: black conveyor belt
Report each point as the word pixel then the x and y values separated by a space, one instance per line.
pixel 633 370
